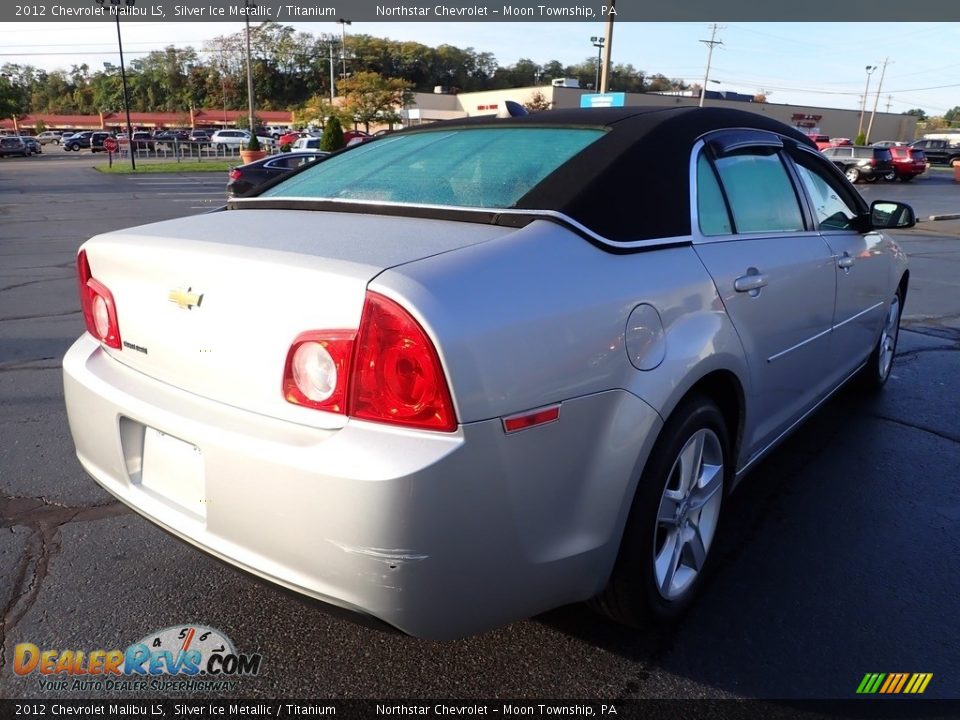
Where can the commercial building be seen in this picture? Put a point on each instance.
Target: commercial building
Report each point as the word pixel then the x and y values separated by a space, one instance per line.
pixel 430 107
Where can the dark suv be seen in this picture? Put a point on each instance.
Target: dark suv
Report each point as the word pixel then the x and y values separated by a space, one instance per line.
pixel 938 152
pixel 860 161
pixel 96 141
pixel 77 141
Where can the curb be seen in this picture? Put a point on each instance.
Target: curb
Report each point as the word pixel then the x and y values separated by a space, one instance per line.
pixel 945 216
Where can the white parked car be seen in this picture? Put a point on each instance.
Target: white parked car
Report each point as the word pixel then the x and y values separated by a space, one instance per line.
pixel 275 131
pixel 49 136
pixel 237 139
pixel 306 143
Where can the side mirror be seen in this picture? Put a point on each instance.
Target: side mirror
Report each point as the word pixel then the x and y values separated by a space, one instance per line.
pixel 889 215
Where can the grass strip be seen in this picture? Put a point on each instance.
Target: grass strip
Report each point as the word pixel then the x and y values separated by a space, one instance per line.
pixel 123 167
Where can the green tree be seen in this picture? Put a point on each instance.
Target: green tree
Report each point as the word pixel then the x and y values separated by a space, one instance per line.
pixel 316 110
pixel 917 113
pixel 373 98
pixel 332 139
pixel 537 102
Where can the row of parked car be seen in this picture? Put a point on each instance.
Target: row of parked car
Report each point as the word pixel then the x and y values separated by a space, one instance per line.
pixel 22 145
pixel 887 159
pixel 142 140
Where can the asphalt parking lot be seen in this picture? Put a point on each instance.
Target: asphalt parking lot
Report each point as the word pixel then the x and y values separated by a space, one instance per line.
pixel 840 558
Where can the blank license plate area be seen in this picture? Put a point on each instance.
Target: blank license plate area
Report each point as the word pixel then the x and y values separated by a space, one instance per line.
pixel 173 469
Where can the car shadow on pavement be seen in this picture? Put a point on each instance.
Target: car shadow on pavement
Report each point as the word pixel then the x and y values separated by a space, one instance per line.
pixel 818 554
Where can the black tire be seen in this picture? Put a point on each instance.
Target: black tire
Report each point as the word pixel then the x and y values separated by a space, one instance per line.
pixel 890 176
pixel 906 178
pixel 876 372
pixel 872 178
pixel 634 595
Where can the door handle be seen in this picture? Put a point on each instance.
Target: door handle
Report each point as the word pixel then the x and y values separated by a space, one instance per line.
pixel 751 282
pixel 846 261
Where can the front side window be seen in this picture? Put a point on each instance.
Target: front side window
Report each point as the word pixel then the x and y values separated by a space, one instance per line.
pixel 761 196
pixel 832 211
pixel 462 167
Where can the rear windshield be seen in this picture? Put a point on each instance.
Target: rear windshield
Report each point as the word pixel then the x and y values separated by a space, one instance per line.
pixel 463 167
pixel 882 154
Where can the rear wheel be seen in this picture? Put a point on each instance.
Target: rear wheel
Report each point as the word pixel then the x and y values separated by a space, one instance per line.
pixel 853 174
pixel 673 522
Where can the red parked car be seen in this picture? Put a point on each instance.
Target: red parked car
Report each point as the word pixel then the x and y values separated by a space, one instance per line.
pixel 908 162
pixel 290 138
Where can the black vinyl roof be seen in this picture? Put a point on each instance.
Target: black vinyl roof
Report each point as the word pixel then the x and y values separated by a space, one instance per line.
pixel 634 182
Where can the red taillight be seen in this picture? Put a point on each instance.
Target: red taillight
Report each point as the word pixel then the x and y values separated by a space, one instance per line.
pixel 388 372
pixel 317 370
pixel 397 373
pixel 96 301
pixel 235 174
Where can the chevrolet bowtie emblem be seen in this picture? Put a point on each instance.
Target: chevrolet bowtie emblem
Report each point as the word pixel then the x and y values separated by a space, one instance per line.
pixel 185 299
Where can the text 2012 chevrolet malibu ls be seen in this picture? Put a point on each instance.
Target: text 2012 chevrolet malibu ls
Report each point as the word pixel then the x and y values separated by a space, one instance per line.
pixel 466 373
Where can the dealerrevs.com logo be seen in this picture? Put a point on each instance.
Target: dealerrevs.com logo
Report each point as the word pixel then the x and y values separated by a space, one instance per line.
pixel 184 657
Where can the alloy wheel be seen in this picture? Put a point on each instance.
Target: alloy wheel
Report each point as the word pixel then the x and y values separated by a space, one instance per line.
pixel 688 514
pixel 888 337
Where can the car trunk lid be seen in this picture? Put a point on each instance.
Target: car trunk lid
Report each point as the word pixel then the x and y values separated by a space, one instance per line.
pixel 211 303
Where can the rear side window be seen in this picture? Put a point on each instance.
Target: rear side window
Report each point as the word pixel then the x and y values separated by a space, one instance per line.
pixel 761 196
pixel 711 207
pixel 465 167
pixel 882 154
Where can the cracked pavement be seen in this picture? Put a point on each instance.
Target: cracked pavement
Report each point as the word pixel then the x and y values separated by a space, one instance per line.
pixel 841 554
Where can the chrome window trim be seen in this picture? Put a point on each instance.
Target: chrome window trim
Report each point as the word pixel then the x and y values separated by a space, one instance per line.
pixel 560 217
pixel 697 236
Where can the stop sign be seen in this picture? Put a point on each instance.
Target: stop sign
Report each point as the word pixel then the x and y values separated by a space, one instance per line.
pixel 111 145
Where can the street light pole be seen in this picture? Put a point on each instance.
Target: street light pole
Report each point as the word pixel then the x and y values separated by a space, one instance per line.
pixel 332 86
pixel 863 104
pixel 883 71
pixel 253 132
pixel 343 44
pixel 123 79
pixel 598 44
pixel 608 47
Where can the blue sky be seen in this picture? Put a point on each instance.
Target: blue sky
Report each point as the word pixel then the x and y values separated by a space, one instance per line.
pixel 818 64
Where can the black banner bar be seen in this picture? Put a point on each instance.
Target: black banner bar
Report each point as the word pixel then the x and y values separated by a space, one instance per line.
pixel 287 11
pixel 145 709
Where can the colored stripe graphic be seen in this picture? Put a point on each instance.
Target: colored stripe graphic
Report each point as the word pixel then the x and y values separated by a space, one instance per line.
pixel 894 683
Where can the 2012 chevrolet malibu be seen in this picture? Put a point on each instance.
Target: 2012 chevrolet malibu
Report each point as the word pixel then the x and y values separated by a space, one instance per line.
pixel 469 372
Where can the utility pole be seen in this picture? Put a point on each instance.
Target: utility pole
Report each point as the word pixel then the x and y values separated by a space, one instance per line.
pixel 876 100
pixel 607 46
pixel 889 102
pixel 710 44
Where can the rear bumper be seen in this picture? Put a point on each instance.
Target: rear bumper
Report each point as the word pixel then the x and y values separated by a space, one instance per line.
pixel 439 535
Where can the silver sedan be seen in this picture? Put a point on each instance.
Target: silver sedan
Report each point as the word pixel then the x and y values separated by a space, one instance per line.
pixel 469 372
